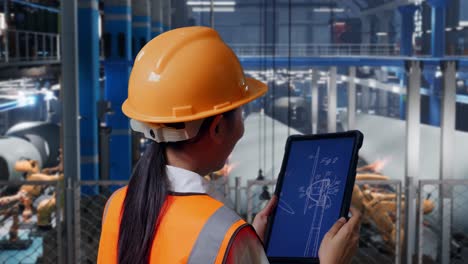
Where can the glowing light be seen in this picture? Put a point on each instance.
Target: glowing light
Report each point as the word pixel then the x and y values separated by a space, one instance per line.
pixel 215 9
pixel 208 3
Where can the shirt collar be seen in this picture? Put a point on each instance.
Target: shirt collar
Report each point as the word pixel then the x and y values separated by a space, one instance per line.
pixel 185 181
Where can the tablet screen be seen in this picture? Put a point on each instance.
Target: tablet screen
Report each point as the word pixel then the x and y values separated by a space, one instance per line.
pixel 311 197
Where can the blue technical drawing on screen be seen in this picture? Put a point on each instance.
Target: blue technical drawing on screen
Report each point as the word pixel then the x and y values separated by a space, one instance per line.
pixel 311 196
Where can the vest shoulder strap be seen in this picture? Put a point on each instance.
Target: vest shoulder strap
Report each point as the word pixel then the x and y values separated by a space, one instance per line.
pixel 215 237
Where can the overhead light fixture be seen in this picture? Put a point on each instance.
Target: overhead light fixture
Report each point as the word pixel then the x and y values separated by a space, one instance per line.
pixel 382 33
pixel 328 10
pixel 428 31
pixel 463 23
pixel 208 3
pixel 459 28
pixel 448 29
pixel 396 89
pixel 215 9
pixel 2 21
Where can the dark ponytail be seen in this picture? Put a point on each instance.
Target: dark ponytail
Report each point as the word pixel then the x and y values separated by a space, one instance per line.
pixel 146 194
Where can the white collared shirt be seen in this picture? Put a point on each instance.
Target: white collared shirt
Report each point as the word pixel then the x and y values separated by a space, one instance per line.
pixel 246 248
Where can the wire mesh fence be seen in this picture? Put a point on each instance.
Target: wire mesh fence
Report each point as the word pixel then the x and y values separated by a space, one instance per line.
pixel 90 200
pixel 442 225
pixel 30 221
pixel 30 230
pixel 382 228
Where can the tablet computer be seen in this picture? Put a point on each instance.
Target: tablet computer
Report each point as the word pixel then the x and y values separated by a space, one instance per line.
pixel 314 188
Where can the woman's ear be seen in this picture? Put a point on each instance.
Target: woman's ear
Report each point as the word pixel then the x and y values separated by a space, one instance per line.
pixel 216 129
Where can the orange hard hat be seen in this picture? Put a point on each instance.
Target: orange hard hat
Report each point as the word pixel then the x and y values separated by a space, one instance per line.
pixel 187 74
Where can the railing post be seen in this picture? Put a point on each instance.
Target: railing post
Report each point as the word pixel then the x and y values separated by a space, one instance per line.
pixel 58 47
pixel 237 194
pixel 27 45
pixel 17 45
pixel 43 45
pixel 36 43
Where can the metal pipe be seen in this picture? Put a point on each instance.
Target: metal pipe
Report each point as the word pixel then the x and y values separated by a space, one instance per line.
pixel 351 98
pixel 212 18
pixel 331 113
pixel 237 194
pixel 70 124
pixel 420 221
pixel 27 46
pixel 398 225
pixel 447 147
pixel 7 33
pixel 17 54
pixel 58 197
pixel 314 97
pixel 413 113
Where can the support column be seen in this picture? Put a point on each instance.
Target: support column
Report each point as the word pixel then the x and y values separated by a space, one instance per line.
pixel 407 29
pixel 435 87
pixel 71 126
pixel 167 15
pixel 438 27
pixel 156 17
pixel 413 114
pixel 88 50
pixel 331 95
pixel 141 24
pixel 118 28
pixel 314 100
pixel 352 98
pixel 447 156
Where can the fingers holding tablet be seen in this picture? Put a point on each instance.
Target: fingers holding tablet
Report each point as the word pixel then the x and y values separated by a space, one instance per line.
pixel 261 219
pixel 340 243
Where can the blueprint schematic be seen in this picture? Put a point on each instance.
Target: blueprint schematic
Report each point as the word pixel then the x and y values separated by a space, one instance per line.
pixel 312 193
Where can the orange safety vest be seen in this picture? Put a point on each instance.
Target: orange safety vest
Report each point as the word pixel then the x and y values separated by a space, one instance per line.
pixel 195 228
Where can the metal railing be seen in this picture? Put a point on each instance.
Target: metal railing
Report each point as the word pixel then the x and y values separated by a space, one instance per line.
pixel 257 197
pixel 28 46
pixel 315 50
pixel 442 231
pixel 442 225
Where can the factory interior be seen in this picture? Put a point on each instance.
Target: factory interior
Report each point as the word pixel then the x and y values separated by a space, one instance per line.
pixel 397 70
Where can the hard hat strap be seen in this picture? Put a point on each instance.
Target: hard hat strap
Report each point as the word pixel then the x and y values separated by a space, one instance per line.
pixel 162 133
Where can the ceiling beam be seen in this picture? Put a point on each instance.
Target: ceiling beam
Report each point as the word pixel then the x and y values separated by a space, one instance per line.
pixel 387 6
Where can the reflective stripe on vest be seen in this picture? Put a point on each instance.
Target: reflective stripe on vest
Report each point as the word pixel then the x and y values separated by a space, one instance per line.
pixel 192 229
pixel 211 237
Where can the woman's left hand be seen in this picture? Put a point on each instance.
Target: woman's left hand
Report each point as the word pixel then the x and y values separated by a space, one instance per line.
pixel 261 219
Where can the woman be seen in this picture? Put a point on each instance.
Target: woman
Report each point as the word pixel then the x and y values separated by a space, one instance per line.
pixel 185 93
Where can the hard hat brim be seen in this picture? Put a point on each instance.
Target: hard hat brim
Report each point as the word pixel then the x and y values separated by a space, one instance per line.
pixel 255 90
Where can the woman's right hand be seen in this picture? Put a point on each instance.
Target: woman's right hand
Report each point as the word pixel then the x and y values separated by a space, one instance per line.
pixel 341 242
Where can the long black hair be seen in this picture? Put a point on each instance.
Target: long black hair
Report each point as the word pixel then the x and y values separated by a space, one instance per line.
pixel 146 195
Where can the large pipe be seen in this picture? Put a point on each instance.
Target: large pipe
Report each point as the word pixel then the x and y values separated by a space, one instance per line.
pixel 118 26
pixel 141 24
pixel 156 17
pixel 88 50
